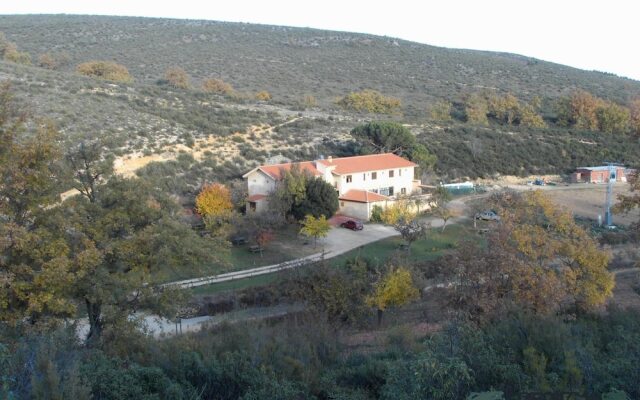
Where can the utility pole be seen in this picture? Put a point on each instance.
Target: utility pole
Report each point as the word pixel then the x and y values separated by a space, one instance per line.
pixel 607 207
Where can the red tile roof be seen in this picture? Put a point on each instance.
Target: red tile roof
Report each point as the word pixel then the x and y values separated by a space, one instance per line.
pixel 362 196
pixel 373 162
pixel 274 170
pixel 256 197
pixel 342 165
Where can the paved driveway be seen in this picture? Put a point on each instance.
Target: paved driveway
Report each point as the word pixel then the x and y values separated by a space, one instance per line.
pixel 341 240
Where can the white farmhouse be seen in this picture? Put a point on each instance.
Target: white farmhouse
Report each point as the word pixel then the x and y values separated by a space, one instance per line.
pixel 361 181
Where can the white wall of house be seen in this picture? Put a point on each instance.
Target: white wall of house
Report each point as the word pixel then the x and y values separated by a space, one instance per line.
pixel 259 183
pixel 261 205
pixel 354 209
pixel 402 179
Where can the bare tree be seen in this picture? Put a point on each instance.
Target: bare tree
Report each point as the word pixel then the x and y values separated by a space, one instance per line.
pixel 411 230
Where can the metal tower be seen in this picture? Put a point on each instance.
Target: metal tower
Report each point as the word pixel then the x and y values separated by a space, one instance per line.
pixel 607 207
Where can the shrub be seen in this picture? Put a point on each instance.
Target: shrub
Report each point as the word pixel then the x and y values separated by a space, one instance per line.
pixel 177 77
pixel 263 96
pixel 218 86
pixel 309 101
pixel 441 111
pixel 376 213
pixel 9 52
pixel 397 211
pixel 370 101
pixel 53 60
pixel 106 70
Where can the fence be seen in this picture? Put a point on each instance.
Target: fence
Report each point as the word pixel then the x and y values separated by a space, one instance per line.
pixel 230 276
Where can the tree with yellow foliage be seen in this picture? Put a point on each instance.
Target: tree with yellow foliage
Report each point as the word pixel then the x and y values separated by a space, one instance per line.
pixel 579 110
pixel 370 101
pixel 476 109
pixel 401 209
pixel 315 227
pixel 613 118
pixel 395 289
pixel 215 205
pixel 538 257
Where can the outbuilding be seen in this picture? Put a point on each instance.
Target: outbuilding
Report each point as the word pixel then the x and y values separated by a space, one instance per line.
pixel 598 174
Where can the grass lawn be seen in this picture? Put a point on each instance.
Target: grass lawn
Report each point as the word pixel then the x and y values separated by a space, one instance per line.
pixel 429 248
pixel 287 245
pixel 432 247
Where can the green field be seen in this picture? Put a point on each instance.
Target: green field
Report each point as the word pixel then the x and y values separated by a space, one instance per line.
pixel 430 248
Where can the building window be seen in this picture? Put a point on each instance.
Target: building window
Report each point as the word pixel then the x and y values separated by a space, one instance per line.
pixel 364 177
pixel 342 204
pixel 374 175
pixel 390 173
pixel 374 190
pixel 403 191
pixel 349 179
pixel 388 191
pixel 252 206
pixel 399 172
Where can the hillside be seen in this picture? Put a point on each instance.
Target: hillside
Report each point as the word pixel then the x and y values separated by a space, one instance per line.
pixel 292 62
pixel 147 120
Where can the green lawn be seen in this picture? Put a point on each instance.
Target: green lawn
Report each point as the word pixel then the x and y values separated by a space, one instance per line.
pixel 287 245
pixel 430 248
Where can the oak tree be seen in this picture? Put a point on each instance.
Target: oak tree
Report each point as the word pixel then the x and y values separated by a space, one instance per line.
pixel 538 257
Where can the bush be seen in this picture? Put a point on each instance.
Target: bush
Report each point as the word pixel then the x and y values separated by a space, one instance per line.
pixel 218 86
pixel 106 70
pixel 370 101
pixel 263 96
pixel 177 77
pixel 376 213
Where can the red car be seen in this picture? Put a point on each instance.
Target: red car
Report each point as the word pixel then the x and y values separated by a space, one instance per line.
pixel 353 225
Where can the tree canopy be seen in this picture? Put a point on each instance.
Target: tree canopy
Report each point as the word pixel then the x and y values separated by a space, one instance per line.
pixel 320 199
pixel 538 257
pixel 392 137
pixel 105 249
pixel 315 227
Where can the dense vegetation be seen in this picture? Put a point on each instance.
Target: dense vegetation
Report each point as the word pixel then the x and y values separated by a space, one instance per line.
pixel 521 309
pixel 300 358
